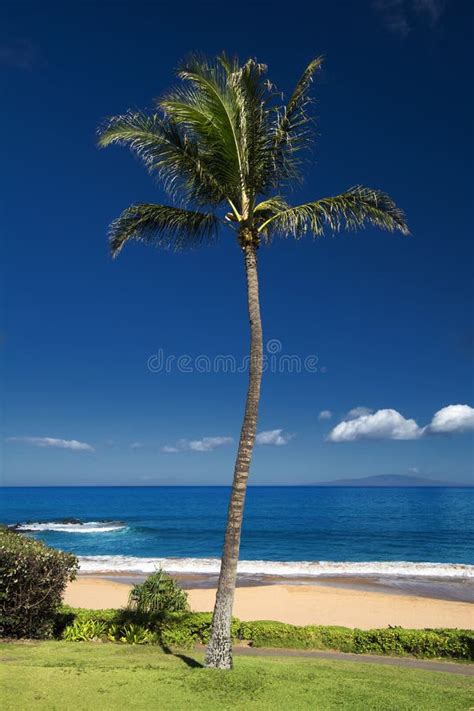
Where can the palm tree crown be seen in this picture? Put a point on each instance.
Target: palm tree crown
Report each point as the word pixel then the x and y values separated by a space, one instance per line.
pixel 223 139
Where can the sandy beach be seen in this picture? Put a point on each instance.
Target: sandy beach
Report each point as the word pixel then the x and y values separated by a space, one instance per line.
pixel 299 604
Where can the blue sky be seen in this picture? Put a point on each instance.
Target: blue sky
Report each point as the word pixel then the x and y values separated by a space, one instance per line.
pixel 388 317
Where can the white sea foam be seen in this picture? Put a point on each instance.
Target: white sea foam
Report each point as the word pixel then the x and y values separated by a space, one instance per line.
pixel 89 527
pixel 130 564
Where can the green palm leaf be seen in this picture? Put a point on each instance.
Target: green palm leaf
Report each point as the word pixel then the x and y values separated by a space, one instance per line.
pixel 268 208
pixel 167 151
pixel 293 131
pixel 214 118
pixel 251 96
pixel 161 226
pixel 350 210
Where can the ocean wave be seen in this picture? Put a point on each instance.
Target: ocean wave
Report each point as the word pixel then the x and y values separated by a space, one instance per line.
pixel 130 564
pixel 89 527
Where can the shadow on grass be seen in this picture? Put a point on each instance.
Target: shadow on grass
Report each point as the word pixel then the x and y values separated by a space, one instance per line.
pixel 189 661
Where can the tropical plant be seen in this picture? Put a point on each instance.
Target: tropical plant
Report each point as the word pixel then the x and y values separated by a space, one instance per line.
pixel 135 634
pixel 85 631
pixel 226 148
pixel 160 593
pixel 114 632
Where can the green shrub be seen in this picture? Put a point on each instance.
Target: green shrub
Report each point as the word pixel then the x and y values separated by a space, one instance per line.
pixel 33 578
pixel 160 593
pixel 458 644
pixel 451 643
pixel 185 629
pixel 177 629
pixel 266 633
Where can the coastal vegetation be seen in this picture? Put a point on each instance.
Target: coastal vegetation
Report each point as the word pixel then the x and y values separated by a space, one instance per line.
pixel 33 578
pixel 80 677
pixel 186 629
pixel 158 593
pixel 227 149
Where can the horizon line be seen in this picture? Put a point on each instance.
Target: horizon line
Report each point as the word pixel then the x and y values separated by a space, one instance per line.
pixel 441 485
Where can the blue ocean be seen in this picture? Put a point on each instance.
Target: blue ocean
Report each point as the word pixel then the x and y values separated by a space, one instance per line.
pixel 288 531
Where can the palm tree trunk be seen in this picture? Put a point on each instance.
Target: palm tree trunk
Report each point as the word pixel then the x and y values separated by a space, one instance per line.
pixel 219 652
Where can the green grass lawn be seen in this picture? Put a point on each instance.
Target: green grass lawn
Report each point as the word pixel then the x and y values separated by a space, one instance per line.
pixel 80 676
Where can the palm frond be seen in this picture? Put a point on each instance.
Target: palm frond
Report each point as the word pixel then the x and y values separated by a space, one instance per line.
pixel 183 107
pixel 224 107
pixel 293 130
pixel 350 210
pixel 268 208
pixel 207 107
pixel 162 226
pixel 296 109
pixel 250 97
pixel 166 151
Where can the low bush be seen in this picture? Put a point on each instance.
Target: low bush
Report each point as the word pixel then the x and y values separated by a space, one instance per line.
pixel 91 630
pixel 77 624
pixel 33 578
pixel 396 641
pixel 185 629
pixel 279 634
pixel 67 615
pixel 176 629
pixel 454 643
pixel 158 594
pixel 188 628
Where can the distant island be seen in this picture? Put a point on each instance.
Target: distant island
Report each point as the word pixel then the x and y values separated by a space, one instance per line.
pixel 390 480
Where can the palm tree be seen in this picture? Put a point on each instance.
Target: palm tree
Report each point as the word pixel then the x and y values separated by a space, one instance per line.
pixel 225 145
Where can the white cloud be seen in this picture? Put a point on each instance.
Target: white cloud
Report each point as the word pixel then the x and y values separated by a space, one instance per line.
pixel 137 445
pixel 383 424
pixel 325 415
pixel 390 424
pixel 53 442
pixel 169 449
pixel 453 418
pixel 206 444
pixel 358 412
pixel 275 437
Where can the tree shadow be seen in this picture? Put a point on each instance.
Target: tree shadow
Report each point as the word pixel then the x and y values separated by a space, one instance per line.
pixel 189 661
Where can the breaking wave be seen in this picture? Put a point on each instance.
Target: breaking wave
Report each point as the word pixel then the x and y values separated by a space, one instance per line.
pixel 130 564
pixel 89 527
